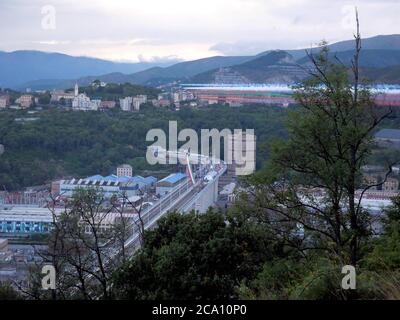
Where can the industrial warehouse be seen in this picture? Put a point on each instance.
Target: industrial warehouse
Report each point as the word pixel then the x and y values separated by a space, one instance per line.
pixel 274 94
pixel 110 185
pixel 236 95
pixel 21 217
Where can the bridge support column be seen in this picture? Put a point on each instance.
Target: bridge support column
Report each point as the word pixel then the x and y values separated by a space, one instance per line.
pixel 207 197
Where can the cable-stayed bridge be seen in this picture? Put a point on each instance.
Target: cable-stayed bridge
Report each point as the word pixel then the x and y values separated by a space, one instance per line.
pixel 194 193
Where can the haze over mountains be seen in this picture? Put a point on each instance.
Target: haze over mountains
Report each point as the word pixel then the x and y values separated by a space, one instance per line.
pixel 19 67
pixel 380 61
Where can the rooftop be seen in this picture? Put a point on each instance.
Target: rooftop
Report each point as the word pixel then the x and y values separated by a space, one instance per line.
pixel 228 189
pixel 174 177
pixel 111 180
pixel 146 180
pixel 26 213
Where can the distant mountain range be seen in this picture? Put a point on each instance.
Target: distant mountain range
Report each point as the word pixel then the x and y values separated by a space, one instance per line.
pixel 20 67
pixel 380 61
pixel 281 67
pixel 273 67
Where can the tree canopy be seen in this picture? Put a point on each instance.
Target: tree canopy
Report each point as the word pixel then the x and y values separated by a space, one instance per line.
pixel 196 256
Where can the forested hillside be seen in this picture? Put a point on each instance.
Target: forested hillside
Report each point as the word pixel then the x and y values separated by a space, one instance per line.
pixel 65 143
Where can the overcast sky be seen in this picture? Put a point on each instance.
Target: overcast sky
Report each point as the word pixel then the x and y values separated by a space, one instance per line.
pixel 133 30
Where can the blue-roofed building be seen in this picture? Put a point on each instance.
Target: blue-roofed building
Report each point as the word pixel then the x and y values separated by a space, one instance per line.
pixel 165 185
pixel 144 183
pixel 27 219
pixel 95 177
pixel 110 185
pixel 150 179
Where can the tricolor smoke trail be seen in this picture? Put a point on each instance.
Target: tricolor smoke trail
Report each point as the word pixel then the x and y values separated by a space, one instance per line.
pixel 189 169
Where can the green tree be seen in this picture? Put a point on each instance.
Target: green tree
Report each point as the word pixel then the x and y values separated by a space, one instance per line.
pixel 308 191
pixel 85 246
pixel 385 255
pixel 195 256
pixel 7 292
pixel 44 98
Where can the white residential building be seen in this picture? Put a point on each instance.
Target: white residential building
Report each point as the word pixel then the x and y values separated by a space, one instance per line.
pixel 126 104
pixel 177 98
pixel 124 170
pixel 83 102
pixel 132 103
pixel 138 100
pixel 182 95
